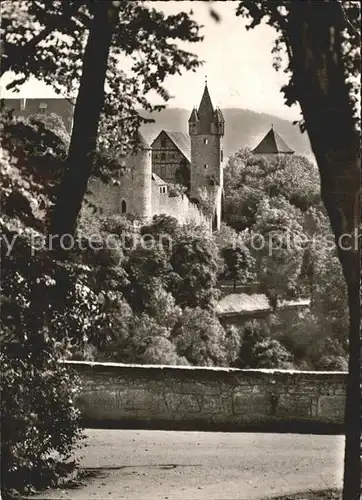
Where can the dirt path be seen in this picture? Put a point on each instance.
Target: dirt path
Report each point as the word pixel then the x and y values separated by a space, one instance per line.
pixel 155 465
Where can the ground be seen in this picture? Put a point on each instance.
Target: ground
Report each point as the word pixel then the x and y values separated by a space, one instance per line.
pixel 156 465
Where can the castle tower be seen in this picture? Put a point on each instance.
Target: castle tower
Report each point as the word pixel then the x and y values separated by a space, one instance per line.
pixel 136 185
pixel 206 130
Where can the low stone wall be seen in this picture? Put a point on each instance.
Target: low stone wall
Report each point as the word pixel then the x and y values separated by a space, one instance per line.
pixel 164 397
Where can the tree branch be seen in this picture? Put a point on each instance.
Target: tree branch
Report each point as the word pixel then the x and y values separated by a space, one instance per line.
pixel 19 51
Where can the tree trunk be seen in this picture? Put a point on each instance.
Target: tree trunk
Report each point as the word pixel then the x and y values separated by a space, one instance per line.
pixel 87 113
pixel 313 33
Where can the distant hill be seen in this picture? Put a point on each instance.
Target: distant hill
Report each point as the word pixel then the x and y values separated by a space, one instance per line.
pixel 243 128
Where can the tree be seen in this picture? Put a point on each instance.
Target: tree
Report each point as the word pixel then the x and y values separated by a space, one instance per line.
pixel 296 179
pixel 330 295
pixel 86 119
pixel 250 179
pixel 240 265
pixel 162 352
pixel 146 269
pixel 195 264
pixel 39 421
pixel 322 42
pixel 225 236
pixel 39 148
pixel 279 251
pixel 132 28
pixel 163 229
pixel 200 338
pixel 258 350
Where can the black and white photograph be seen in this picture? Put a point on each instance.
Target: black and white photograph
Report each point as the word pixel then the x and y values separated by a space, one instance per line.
pixel 180 212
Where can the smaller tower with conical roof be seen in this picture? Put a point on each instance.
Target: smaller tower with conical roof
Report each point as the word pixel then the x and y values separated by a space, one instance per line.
pixel 206 129
pixel 272 145
pixel 193 122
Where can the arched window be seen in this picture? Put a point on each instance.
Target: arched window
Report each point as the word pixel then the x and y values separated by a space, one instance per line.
pixel 123 207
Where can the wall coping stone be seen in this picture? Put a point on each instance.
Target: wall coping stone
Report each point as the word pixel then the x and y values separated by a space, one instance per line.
pixel 270 371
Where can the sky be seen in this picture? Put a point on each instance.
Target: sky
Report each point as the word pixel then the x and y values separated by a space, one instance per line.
pixel 238 65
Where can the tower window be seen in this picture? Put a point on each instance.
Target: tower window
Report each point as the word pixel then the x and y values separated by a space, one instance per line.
pixel 123 207
pixel 206 141
pixel 222 155
pixel 163 156
pixel 206 166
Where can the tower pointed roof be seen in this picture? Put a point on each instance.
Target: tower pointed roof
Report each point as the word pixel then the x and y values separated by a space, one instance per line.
pixel 205 112
pixel 272 143
pixel 219 117
pixel 193 116
pixel 141 142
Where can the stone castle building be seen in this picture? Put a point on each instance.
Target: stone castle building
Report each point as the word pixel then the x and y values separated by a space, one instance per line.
pixel 194 161
pixel 145 184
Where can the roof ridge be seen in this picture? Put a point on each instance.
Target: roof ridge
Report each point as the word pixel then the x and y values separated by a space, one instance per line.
pixel 182 141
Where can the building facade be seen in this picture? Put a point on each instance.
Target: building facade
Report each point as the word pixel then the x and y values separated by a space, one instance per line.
pixel 171 157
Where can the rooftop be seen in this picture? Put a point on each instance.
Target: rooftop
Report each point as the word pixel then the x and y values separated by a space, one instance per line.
pixel 239 303
pixel 158 181
pixel 182 141
pixel 272 143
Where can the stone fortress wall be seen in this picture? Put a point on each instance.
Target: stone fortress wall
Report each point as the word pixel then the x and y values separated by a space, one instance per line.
pixel 108 200
pixel 179 207
pixel 198 398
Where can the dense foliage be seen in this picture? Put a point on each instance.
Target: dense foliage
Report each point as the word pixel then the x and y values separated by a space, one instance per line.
pixel 40 425
pixel 276 216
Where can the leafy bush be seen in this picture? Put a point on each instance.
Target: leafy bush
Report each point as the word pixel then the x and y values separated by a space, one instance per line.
pixel 270 353
pixel 200 338
pixel 162 351
pixel 258 350
pixel 195 264
pixel 39 422
pixel 239 264
pixel 40 425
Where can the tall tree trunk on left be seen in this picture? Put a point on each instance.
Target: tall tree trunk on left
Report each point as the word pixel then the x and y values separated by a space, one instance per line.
pixel 88 108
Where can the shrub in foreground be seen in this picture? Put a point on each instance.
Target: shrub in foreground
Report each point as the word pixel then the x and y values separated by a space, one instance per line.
pixel 39 423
